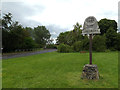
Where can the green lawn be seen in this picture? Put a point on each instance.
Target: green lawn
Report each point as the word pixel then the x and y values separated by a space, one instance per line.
pixel 59 70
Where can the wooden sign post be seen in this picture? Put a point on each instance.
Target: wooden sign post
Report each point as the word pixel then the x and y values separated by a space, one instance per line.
pixel 90 48
pixel 90 28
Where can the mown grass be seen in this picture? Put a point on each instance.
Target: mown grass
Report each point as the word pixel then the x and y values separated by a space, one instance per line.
pixel 59 70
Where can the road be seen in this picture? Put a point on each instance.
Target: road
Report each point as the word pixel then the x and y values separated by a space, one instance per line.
pixel 27 53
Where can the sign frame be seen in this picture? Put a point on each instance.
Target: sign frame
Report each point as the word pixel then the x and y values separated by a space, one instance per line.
pixel 90 26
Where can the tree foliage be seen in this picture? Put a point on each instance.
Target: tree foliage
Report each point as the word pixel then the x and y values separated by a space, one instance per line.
pixel 109 38
pixel 117 45
pixel 105 24
pixel 42 35
pixel 64 48
pixel 15 36
pixel 70 37
pixel 78 46
pixel 99 43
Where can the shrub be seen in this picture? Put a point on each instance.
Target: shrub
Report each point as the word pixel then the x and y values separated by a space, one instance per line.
pixel 78 46
pixel 85 42
pixel 28 43
pixel 64 48
pixel 99 43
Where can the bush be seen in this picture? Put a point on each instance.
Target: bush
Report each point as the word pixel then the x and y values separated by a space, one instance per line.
pixel 85 42
pixel 78 46
pixel 117 42
pixel 99 43
pixel 28 43
pixel 107 50
pixel 64 48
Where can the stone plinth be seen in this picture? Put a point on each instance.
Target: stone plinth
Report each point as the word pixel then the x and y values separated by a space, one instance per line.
pixel 90 72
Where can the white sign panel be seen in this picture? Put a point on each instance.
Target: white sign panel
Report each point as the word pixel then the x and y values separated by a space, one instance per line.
pixel 90 26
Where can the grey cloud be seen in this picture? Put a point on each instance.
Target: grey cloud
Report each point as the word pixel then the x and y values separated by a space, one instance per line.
pixel 30 23
pixel 21 11
pixel 110 13
pixel 55 30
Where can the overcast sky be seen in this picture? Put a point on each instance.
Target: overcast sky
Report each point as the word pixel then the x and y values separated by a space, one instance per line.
pixel 59 15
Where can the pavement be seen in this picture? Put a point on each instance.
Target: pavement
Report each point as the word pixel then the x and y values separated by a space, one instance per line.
pixel 4 57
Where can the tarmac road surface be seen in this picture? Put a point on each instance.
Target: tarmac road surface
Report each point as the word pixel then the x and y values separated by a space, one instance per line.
pixel 27 53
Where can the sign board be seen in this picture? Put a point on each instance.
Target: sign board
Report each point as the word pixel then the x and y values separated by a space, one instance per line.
pixel 90 26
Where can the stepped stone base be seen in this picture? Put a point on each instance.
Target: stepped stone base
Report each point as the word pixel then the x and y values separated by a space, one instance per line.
pixel 90 72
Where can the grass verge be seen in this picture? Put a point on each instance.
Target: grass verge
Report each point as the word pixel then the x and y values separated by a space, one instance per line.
pixel 59 70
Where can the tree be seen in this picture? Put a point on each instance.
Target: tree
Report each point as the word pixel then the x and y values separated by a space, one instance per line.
pixel 14 36
pixel 105 24
pixel 70 37
pixel 75 34
pixel 117 42
pixel 6 21
pixel 29 32
pixel 42 35
pixel 29 43
pixel 5 40
pixel 85 43
pixel 62 38
pixel 99 43
pixel 111 37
